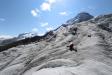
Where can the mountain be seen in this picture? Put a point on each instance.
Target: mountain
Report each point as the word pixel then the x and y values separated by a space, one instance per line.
pixel 83 16
pixel 27 35
pixel 49 54
pixel 22 36
pixel 3 39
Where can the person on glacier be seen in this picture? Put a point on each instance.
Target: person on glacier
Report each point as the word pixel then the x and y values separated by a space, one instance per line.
pixel 71 47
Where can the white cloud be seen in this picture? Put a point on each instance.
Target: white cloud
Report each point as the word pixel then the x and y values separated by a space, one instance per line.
pixel 46 6
pixel 2 19
pixel 35 30
pixel 6 36
pixel 91 8
pixel 35 12
pixel 49 28
pixel 63 13
pixel 51 1
pixel 44 24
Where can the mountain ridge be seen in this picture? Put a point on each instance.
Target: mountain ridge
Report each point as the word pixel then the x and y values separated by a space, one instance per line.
pixel 29 36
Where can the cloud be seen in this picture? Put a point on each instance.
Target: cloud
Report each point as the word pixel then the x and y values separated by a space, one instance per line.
pixel 35 12
pixel 49 28
pixel 44 24
pixel 2 19
pixel 34 30
pixel 51 1
pixel 46 6
pixel 91 8
pixel 6 36
pixel 63 13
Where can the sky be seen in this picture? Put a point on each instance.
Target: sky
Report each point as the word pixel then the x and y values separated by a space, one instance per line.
pixel 40 16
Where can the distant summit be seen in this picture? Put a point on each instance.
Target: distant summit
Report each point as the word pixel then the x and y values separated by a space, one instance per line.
pixel 22 36
pixel 27 35
pixel 83 16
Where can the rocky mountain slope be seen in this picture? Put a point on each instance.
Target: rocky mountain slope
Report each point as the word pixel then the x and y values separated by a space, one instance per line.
pixel 18 38
pixel 93 40
pixel 27 35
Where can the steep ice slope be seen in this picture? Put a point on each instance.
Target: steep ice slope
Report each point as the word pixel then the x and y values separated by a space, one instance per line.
pixel 94 56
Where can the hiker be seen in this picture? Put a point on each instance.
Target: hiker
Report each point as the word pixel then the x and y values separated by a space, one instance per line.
pixel 89 35
pixel 71 47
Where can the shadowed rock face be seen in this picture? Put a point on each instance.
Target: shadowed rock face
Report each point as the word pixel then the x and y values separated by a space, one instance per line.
pixel 83 16
pixel 92 39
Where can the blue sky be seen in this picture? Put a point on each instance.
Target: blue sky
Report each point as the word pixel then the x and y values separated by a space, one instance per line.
pixel 19 16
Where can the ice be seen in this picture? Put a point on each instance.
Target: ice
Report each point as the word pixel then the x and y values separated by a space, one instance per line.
pixel 94 56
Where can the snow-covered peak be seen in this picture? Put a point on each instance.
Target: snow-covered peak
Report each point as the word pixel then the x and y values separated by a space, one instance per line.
pixel 83 16
pixel 27 35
